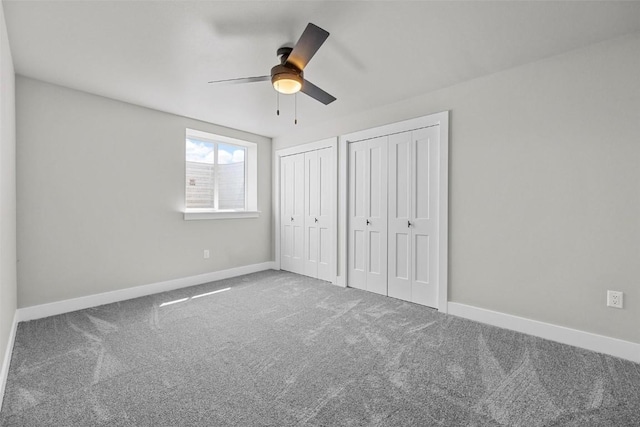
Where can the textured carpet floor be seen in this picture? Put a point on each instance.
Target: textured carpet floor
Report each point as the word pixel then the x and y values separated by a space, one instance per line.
pixel 282 350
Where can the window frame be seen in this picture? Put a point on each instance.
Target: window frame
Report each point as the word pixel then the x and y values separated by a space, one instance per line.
pixel 250 176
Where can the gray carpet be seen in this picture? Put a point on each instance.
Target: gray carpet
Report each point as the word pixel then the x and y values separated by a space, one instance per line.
pixel 283 350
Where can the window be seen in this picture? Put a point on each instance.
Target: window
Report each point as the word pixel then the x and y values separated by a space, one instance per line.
pixel 221 176
pixel 216 175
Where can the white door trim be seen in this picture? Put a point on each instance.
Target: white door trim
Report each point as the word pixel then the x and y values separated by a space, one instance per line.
pixel 438 119
pixel 303 148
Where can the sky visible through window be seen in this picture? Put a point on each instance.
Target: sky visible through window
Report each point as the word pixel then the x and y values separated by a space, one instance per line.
pixel 202 152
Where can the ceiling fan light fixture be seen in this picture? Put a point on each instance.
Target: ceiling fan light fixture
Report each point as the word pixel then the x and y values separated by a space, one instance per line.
pixel 287 84
pixel 286 79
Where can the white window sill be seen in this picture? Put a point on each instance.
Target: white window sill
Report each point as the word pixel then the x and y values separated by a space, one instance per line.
pixel 204 214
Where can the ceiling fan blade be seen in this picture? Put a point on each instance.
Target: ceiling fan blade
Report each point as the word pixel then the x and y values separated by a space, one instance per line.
pixel 316 93
pixel 310 41
pixel 243 80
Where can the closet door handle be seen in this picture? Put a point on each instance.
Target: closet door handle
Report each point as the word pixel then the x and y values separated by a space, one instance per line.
pixel 291 218
pixel 368 222
pixel 408 223
pixel 316 219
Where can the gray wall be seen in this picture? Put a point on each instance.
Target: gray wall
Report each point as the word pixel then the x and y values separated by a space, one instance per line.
pixel 7 191
pixel 100 198
pixel 544 186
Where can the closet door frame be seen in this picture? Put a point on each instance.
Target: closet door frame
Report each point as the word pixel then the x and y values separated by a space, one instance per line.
pixel 303 148
pixel 438 119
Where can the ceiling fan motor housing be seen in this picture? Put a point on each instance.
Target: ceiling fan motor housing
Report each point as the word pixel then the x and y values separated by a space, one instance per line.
pixel 283 53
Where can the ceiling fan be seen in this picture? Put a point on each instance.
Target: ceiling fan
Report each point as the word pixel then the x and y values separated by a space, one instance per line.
pixel 288 76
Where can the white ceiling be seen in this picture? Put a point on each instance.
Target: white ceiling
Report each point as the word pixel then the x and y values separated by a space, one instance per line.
pixel 161 54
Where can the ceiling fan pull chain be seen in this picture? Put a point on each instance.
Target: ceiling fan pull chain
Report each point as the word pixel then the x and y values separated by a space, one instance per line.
pixel 295 121
pixel 277 103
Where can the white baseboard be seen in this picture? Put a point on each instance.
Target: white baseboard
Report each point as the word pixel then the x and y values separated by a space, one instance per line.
pixel 599 343
pixel 66 306
pixel 4 370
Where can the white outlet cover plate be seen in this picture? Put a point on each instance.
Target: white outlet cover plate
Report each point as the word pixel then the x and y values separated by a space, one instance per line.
pixel 614 299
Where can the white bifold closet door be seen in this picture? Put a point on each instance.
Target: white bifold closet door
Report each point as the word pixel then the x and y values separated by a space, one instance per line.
pixel 292 213
pixel 367 240
pixel 306 213
pixel 413 207
pixel 318 209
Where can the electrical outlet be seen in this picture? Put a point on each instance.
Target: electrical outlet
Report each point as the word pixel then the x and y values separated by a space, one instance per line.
pixel 614 299
pixel 206 254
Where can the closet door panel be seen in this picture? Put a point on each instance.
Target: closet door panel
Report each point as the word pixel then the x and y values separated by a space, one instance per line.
pixel 311 213
pixel 286 211
pixel 425 238
pixel 357 240
pixel 298 214
pixel 376 211
pixel 325 197
pixel 400 205
pixel 292 213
